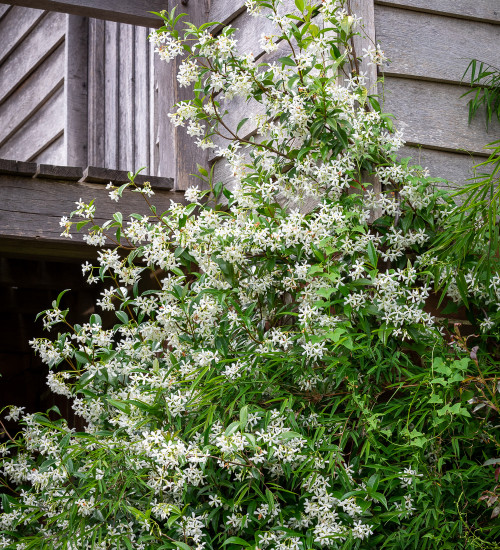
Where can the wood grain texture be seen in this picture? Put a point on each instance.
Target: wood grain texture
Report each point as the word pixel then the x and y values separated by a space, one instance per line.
pixel 366 40
pixel 141 100
pixel 32 94
pixel 434 114
pixel 224 11
pixel 126 92
pixel 75 87
pixel 456 168
pixel 481 10
pixel 135 12
pixel 427 45
pixel 55 153
pixel 31 52
pixel 38 132
pixel 51 171
pixel 96 106
pixel 187 154
pixel 110 85
pixel 17 167
pixel 15 26
pixel 31 208
pixel 4 8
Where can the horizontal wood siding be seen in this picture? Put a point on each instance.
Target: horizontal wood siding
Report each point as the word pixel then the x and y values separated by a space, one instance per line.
pixel 32 67
pixel 480 10
pixel 430 44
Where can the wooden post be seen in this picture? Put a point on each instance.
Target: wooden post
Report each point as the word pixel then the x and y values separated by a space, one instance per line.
pixel 75 89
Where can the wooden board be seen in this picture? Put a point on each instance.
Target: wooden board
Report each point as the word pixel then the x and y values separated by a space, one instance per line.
pixel 110 86
pixel 75 88
pixel 224 11
pixel 32 94
pixel 124 11
pixel 482 10
pixel 96 107
pixel 435 115
pixel 31 208
pixel 431 46
pixel 456 168
pixel 126 107
pixel 4 8
pixel 15 26
pixel 141 100
pixel 55 153
pixel 31 52
pixel 38 132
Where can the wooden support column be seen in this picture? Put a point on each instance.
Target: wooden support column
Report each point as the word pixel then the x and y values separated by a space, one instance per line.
pixel 75 89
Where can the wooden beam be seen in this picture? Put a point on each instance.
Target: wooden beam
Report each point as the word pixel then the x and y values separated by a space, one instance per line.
pixel 135 12
pixel 30 210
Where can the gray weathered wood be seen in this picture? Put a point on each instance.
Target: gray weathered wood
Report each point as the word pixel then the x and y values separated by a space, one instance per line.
pixel 95 174
pixel 31 52
pixel 4 8
pixel 431 46
pixel 141 100
pixel 96 131
pixel 17 167
pixel 135 12
pixel 38 132
pixel 482 10
pixel 188 155
pixel 126 87
pixel 224 11
pixel 75 88
pixel 15 26
pixel 110 85
pixel 32 94
pixel 434 114
pixel 31 208
pixel 54 153
pixel 365 10
pixel 456 168
pixel 163 97
pixel 51 171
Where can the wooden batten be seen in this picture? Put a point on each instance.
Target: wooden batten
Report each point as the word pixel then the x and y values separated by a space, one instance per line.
pixel 135 12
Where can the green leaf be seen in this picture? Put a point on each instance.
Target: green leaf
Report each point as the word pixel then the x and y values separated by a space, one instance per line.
pixel 300 5
pixel 372 254
pixel 182 545
pixel 240 124
pixel 236 540
pixel 286 61
pixel 122 316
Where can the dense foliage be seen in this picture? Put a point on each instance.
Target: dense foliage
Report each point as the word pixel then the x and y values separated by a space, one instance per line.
pixel 286 385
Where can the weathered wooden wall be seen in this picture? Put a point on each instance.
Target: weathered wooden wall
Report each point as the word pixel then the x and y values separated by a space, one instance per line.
pixel 32 114
pixel 430 44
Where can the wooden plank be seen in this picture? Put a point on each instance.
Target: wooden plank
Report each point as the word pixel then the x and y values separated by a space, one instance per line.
pixel 30 208
pixel 163 134
pixel 50 171
pixel 4 8
pixel 456 168
pixel 17 167
pixel 188 155
pixel 141 99
pixel 75 87
pixel 479 10
pixel 135 12
pixel 31 52
pixel 38 132
pixel 365 10
pixel 54 153
pixel 111 129
pixel 431 46
pixel 15 26
pixel 224 11
pixel 126 87
pixel 95 174
pixel 32 94
pixel 96 128
pixel 435 115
